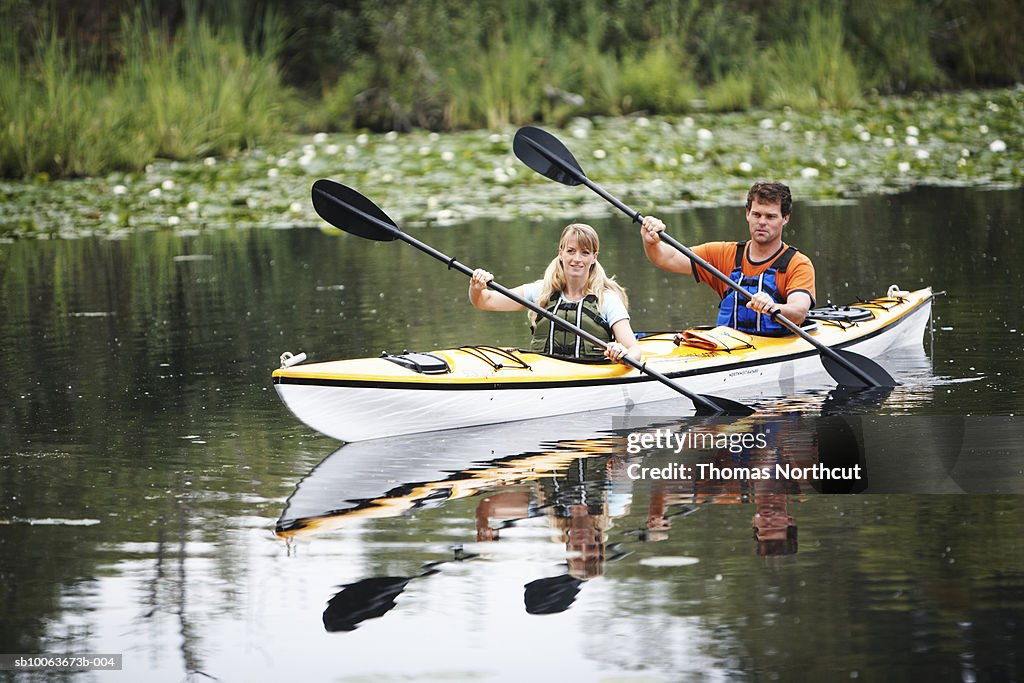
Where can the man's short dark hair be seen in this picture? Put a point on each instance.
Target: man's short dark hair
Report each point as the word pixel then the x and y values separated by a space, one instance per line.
pixel 770 193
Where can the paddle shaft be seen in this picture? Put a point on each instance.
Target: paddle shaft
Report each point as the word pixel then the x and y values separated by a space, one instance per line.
pixel 686 251
pixel 501 289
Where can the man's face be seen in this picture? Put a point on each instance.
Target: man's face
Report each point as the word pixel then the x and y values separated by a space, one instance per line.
pixel 766 222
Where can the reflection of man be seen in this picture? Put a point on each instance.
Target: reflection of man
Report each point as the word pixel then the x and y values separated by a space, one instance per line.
pixel 507 505
pixel 774 527
pixel 581 528
pixel 584 536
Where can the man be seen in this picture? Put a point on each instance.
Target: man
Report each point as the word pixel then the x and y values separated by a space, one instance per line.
pixel 779 278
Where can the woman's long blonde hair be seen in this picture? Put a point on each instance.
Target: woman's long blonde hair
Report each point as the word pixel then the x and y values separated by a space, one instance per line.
pixel 598 281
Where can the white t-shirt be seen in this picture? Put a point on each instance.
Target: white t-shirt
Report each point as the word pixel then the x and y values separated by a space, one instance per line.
pixel 612 308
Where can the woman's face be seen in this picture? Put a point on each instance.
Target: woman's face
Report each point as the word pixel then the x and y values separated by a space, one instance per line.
pixel 576 260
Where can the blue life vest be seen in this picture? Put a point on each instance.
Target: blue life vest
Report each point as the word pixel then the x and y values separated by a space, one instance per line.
pixel 734 312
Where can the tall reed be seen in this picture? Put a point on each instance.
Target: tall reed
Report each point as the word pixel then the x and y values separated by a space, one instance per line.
pixel 812 67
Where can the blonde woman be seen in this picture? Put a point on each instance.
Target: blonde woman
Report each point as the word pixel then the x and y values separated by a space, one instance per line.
pixel 576 288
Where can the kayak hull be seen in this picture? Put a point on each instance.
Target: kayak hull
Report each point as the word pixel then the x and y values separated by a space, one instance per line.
pixel 369 398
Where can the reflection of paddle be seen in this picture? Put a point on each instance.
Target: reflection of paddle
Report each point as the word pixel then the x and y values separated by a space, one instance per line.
pixel 551 595
pixel 844 400
pixel 545 154
pixel 350 211
pixel 375 596
pixel 362 600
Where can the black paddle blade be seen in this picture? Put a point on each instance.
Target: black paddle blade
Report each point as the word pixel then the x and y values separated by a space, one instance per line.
pixel 726 406
pixel 362 600
pixel 346 209
pixel 551 595
pixel 546 154
pixel 845 378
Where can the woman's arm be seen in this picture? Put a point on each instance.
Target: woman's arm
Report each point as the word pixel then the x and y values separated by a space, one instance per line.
pixel 625 343
pixel 487 299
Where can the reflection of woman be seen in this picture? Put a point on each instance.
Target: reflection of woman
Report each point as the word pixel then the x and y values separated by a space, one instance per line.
pixel 576 288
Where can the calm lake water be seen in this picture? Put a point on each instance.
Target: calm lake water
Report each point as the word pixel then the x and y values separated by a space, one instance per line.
pixel 158 501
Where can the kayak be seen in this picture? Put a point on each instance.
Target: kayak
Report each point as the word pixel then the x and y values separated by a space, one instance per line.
pixel 370 398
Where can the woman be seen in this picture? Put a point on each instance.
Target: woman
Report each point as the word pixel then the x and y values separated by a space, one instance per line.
pixel 576 288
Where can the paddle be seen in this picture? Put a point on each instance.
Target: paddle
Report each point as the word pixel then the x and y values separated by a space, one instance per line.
pixel 350 211
pixel 546 154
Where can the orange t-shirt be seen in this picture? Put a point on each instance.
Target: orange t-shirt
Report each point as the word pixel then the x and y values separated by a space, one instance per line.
pixel 799 275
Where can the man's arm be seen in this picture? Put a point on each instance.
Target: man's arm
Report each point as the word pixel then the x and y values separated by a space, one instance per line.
pixel 660 254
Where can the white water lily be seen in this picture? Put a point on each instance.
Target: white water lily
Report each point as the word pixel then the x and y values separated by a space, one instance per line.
pixel 997 146
pixel 119 189
pixel 786 126
pixel 331 149
pixel 888 142
pixel 447 155
pixel 809 172
pixel 686 158
pixel 922 154
pixel 864 136
pixel 320 138
pixel 192 205
pixel 167 184
pixel 840 162
pixel 913 131
pixel 911 141
pixel 362 139
pixel 983 129
pixel 766 124
pixel 600 154
pixel 391 135
pixel 295 207
pixel 643 122
pixel 903 166
pixel 745 166
pixel 704 134
pixel 579 132
pixel 210 161
pixel 173 220
pixel 272 173
pixel 155 193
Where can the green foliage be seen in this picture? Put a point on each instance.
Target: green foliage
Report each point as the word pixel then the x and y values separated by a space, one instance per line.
pixel 203 90
pixel 735 92
pixel 195 92
pixel 658 81
pixel 83 92
pixel 812 71
pixel 890 43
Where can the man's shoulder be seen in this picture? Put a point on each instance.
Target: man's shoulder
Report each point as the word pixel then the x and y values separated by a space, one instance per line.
pixel 716 248
pixel 799 257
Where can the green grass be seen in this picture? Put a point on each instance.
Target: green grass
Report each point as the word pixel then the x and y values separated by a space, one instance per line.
pixel 201 92
pixel 212 85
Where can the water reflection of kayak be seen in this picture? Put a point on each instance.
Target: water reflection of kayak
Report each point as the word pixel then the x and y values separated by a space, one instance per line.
pixel 797 453
pixel 369 398
pixel 386 477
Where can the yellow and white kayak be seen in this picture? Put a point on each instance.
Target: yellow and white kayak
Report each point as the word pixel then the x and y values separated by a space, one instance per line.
pixel 369 398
